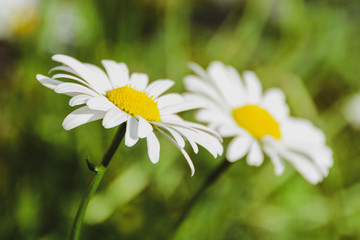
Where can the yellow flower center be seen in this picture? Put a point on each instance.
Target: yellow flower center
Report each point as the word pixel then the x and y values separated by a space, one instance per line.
pixel 257 121
pixel 134 102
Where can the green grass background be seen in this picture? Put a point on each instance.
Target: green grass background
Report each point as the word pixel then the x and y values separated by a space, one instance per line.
pixel 309 48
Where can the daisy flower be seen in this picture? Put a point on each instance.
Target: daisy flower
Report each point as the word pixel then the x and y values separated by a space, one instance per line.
pixel 258 122
pixel 18 18
pixel 116 98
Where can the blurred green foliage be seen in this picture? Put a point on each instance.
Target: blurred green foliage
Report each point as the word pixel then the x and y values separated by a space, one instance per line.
pixel 309 48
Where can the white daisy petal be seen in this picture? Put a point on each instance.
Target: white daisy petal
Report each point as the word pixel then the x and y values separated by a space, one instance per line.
pixel 204 102
pixel 304 166
pixel 168 100
pixel 81 116
pixel 176 136
pixel 48 82
pixel 204 139
pixel 179 108
pixel 274 102
pixel 196 85
pixel 84 71
pixel 229 88
pixel 79 99
pixel 189 161
pixel 114 117
pixel 68 76
pixel 153 146
pixel 144 128
pixel 203 129
pixel 323 157
pixel 100 75
pixel 100 103
pixel 118 73
pixel 189 136
pixel 158 87
pixel 278 163
pixel 253 86
pixel 237 148
pixel 193 145
pixel 210 143
pixel 131 135
pixel 211 116
pixel 301 134
pixel 66 88
pixel 139 81
pixel 198 70
pixel 178 132
pixel 236 79
pixel 185 154
pixel 171 118
pixel 63 68
pixel 255 156
pixel 227 128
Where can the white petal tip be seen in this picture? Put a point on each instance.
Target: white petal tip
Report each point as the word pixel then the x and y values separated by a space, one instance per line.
pixel 57 90
pixel 191 65
pixel 154 161
pixel 57 56
pixel 215 64
pixel 106 61
pixel 315 182
pixel 66 127
pixel 108 126
pixel 248 72
pixel 192 168
pixel 39 77
pixel 279 170
pixel 229 159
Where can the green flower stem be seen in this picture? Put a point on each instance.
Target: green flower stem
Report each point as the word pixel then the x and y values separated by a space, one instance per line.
pixel 95 181
pixel 209 181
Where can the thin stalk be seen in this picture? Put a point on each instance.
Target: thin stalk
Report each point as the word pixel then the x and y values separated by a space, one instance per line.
pixel 95 181
pixel 208 182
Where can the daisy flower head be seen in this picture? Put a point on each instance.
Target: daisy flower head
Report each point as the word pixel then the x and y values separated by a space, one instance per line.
pixel 117 97
pixel 18 18
pixel 259 122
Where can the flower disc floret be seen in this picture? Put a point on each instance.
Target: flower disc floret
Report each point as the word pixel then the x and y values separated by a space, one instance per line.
pixel 134 102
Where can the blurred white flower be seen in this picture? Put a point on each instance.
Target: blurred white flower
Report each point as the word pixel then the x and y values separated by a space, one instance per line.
pixel 117 98
pixel 68 24
pixel 58 33
pixel 260 123
pixel 18 18
pixel 351 110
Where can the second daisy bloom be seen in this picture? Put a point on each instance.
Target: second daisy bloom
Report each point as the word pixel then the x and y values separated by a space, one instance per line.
pixel 259 122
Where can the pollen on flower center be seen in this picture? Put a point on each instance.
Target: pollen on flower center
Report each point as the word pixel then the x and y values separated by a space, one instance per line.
pixel 134 102
pixel 257 121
